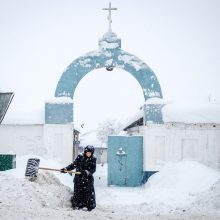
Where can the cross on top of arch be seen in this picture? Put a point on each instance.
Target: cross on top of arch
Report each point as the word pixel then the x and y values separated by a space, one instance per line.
pixel 109 15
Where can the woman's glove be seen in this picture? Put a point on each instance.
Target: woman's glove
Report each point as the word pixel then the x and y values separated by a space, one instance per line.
pixel 63 170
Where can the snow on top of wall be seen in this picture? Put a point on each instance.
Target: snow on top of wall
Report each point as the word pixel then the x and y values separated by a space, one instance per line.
pixel 192 113
pixel 156 100
pixel 24 117
pixel 60 100
pixel 181 112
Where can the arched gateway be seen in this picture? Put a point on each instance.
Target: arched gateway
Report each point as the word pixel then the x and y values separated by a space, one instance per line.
pixel 109 56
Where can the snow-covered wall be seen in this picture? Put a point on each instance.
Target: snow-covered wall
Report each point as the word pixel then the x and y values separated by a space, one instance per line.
pixel 59 141
pixel 22 139
pixel 179 141
pixel 53 141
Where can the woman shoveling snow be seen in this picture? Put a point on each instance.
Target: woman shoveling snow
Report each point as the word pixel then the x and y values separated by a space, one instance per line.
pixel 84 192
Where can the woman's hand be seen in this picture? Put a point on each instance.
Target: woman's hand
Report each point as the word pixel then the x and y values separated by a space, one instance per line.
pixel 63 170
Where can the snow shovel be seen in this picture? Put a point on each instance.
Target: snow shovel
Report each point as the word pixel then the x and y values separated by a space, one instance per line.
pixel 33 166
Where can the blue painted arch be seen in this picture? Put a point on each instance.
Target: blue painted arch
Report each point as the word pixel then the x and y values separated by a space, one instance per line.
pixel 109 55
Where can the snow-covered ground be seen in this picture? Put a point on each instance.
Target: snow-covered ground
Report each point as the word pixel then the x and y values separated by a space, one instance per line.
pixel 183 190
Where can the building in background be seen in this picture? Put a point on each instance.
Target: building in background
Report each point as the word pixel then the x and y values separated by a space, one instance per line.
pixel 90 138
pixel 189 132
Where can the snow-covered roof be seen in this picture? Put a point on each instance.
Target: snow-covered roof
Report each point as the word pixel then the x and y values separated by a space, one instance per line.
pixel 134 118
pixel 139 114
pixel 182 112
pixel 192 113
pixel 172 112
pixel 24 117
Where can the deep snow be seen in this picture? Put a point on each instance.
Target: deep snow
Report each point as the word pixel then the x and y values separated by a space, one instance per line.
pixel 183 190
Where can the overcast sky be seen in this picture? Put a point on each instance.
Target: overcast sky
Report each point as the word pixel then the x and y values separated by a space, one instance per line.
pixel 179 40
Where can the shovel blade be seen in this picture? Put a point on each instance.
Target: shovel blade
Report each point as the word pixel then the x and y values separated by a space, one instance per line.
pixel 32 167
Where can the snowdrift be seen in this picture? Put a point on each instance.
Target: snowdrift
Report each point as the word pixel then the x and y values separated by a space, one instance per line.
pixel 185 188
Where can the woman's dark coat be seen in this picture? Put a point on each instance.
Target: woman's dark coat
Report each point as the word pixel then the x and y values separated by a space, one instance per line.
pixel 84 192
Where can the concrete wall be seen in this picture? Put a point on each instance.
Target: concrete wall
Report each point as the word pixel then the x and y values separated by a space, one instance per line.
pixel 22 139
pixel 177 141
pixel 59 141
pixel 54 141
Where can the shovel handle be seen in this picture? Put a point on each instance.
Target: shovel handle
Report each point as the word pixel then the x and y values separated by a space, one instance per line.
pixel 66 171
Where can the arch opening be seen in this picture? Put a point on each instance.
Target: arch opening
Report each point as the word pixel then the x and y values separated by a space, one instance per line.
pixel 104 95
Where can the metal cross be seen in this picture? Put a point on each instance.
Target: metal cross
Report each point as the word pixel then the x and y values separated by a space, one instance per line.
pixel 109 15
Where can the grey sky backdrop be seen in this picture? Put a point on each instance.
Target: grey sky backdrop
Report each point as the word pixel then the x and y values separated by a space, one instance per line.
pixel 178 39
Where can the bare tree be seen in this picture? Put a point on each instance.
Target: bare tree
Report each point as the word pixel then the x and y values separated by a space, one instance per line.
pixel 106 128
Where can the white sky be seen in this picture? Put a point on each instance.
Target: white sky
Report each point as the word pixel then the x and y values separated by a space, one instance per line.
pixel 179 40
